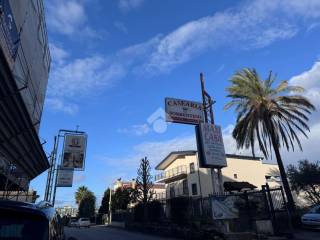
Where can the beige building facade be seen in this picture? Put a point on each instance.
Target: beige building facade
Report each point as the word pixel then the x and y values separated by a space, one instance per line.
pixel 158 189
pixel 182 176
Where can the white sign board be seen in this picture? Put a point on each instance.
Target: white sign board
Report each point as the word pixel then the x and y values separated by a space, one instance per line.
pixel 65 178
pixel 224 208
pixel 74 151
pixel 183 111
pixel 210 142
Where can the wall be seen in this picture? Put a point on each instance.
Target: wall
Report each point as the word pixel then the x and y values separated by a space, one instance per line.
pixel 252 171
pixel 32 64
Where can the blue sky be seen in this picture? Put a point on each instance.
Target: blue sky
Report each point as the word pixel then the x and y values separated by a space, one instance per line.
pixel 114 62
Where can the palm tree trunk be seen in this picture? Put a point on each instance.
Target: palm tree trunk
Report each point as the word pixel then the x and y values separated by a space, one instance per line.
pixel 283 175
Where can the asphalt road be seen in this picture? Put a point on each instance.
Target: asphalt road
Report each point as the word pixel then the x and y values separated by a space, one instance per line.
pixel 106 233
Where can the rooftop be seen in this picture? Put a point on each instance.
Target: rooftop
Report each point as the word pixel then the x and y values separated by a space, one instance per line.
pixel 177 154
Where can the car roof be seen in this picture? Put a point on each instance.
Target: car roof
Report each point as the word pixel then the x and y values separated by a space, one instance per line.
pixel 43 209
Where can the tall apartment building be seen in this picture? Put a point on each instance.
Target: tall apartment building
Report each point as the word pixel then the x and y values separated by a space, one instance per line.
pixel 24 70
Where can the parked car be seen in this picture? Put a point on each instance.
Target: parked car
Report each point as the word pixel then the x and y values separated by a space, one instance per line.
pixel 83 222
pixel 312 218
pixel 73 223
pixel 27 221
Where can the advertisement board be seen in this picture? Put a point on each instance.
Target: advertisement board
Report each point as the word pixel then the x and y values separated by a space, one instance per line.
pixel 64 178
pixel 210 146
pixel 183 111
pixel 223 207
pixel 9 37
pixel 74 151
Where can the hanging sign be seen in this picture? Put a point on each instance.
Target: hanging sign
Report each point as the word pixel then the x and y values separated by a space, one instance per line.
pixel 183 111
pixel 224 207
pixel 74 151
pixel 210 146
pixel 64 178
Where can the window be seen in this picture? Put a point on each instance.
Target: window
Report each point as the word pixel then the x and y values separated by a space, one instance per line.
pixel 194 189
pixel 185 189
pixel 192 168
pixel 172 191
pixel 235 176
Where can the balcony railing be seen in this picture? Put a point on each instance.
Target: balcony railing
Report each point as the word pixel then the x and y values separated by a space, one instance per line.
pixel 172 174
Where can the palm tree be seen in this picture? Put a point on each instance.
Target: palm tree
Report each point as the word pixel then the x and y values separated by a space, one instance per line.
pixel 81 193
pixel 272 117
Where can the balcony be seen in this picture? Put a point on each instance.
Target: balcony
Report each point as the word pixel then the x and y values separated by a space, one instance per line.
pixel 172 175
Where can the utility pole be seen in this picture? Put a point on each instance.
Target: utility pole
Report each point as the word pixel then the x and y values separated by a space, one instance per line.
pixel 110 207
pixel 207 103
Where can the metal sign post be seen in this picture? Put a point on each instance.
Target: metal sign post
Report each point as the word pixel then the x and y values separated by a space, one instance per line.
pixel 207 103
pixel 53 170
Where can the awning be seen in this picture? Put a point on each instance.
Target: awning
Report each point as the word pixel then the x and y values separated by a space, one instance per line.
pixel 19 141
pixel 238 186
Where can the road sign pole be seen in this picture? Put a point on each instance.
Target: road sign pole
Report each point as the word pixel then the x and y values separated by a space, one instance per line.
pixel 209 118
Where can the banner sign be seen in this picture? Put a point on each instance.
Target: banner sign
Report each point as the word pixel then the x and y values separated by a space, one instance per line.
pixel 65 178
pixel 210 146
pixel 74 151
pixel 9 37
pixel 223 207
pixel 183 111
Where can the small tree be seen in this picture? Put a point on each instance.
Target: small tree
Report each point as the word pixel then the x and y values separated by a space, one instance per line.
pixel 144 186
pixel 87 205
pixel 306 178
pixel 121 198
pixel 104 208
pixel 81 193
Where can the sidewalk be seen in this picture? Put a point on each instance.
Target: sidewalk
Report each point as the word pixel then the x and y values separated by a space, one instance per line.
pixel 302 235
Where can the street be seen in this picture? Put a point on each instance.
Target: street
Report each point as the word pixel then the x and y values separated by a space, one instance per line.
pixel 105 233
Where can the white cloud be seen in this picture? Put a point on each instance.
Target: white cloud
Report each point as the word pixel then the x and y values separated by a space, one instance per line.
pixel 253 25
pixel 58 54
pixel 310 81
pixel 69 17
pixel 310 147
pixel 138 130
pixel 127 5
pixel 57 104
pixel 82 76
pixel 65 16
pixel 155 151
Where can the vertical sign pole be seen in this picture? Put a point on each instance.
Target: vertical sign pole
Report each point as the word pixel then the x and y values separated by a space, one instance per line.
pixel 50 171
pixel 208 111
pixel 55 185
pixel 203 98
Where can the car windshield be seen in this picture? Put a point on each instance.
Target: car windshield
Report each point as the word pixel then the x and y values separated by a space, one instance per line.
pixel 84 219
pixel 22 226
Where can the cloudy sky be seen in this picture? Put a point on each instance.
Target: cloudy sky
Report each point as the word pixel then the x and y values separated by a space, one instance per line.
pixel 114 62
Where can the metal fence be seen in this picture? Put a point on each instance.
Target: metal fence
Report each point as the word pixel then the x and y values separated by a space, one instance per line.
pixel 171 173
pixel 235 212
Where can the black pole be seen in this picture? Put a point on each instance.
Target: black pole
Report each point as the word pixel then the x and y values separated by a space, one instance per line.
pixel 50 170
